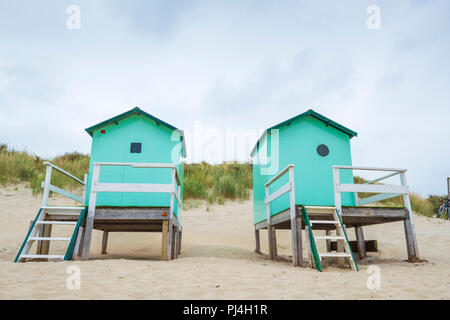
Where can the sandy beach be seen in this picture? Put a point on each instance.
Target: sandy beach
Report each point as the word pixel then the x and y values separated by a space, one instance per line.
pixel 218 261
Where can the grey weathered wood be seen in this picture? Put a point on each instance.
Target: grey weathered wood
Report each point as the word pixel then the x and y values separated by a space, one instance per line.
pixel 299 261
pixel 294 233
pixel 308 247
pixel 131 214
pixel 328 242
pixel 360 242
pixel 410 240
pixel 78 241
pixel 274 243
pixel 104 241
pixel 43 246
pixel 180 233
pixel 165 240
pixel 257 242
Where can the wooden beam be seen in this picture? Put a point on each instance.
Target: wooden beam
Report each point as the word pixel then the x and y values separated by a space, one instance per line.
pixel 360 242
pixel 104 241
pixel 298 221
pixel 328 241
pixel 410 238
pixel 257 242
pixel 180 233
pixel 165 240
pixel 371 245
pixel 78 242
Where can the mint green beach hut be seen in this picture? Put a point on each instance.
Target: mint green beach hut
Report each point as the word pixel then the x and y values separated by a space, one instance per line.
pixel 135 180
pixel 303 179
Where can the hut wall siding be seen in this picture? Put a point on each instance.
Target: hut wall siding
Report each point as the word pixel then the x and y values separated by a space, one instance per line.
pixel 114 146
pixel 313 173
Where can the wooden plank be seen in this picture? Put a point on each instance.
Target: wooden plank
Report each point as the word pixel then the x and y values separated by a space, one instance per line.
pixel 360 242
pixel 165 240
pixel 284 189
pixel 76 249
pixel 65 193
pixel 180 233
pixel 370 245
pixel 90 216
pixel 257 242
pixel 134 187
pixel 294 234
pixel 377 197
pixel 328 242
pixel 369 168
pixel 104 241
pixel 308 247
pixel 45 244
pixel 299 249
pixel 51 165
pixel 410 239
pixel 374 188
pixel 273 232
pixel 46 183
pixel 131 214
pixel 278 175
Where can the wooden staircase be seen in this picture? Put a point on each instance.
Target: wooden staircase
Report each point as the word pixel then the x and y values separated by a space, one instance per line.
pixel 334 222
pixel 38 232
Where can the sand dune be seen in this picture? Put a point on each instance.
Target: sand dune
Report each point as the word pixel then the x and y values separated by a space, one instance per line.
pixel 218 262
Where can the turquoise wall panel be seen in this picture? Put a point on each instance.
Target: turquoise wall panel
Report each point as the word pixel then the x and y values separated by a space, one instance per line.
pixel 114 146
pixel 298 144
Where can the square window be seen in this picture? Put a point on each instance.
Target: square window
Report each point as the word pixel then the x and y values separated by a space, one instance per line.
pixel 136 147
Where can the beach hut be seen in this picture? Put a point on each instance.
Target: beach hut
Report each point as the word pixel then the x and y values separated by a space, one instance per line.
pixel 303 179
pixel 134 184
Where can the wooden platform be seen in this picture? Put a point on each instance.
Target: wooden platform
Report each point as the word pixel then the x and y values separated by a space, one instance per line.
pixel 133 219
pixel 352 217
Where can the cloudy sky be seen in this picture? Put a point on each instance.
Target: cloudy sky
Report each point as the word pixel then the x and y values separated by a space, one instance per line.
pixel 225 65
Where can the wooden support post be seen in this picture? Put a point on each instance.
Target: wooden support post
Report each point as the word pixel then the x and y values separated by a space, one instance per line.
pixel 180 233
pixel 410 233
pixel 165 240
pixel 298 222
pixel 360 242
pixel 328 241
pixel 257 242
pixel 294 233
pixel 410 241
pixel 43 246
pixel 308 247
pixel 104 241
pixel 271 231
pixel 341 246
pixel 174 242
pixel 90 214
pixel 78 243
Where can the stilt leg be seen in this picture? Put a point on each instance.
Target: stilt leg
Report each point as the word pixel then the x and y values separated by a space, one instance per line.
pixel 360 242
pixel 165 240
pixel 411 242
pixel 299 247
pixel 328 241
pixel 180 233
pixel 257 241
pixel 104 241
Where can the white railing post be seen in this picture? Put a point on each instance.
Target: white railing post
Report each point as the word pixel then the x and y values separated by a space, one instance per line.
pixel 83 195
pixel 91 212
pixel 337 193
pixel 46 186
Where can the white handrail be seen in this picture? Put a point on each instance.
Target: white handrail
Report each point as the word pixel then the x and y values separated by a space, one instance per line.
pixel 384 191
pixel 64 172
pixel 288 187
pixel 48 187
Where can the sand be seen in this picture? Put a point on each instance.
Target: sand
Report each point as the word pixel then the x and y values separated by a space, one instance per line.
pixel 218 262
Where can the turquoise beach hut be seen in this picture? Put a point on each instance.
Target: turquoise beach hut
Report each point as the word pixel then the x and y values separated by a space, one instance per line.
pixel 313 143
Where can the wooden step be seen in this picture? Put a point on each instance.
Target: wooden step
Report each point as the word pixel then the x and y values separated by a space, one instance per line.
pixel 335 255
pixel 329 237
pixel 57 222
pixel 59 210
pixel 323 222
pixel 320 207
pixel 41 256
pixel 48 239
